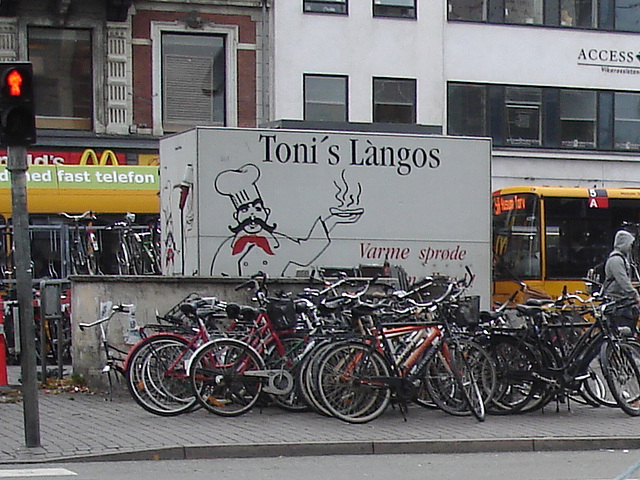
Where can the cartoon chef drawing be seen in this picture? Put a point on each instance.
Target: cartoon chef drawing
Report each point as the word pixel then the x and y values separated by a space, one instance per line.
pixel 256 245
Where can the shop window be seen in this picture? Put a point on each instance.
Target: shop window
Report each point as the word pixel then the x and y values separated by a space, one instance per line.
pixel 62 76
pixel 467 110
pixel 394 8
pixel 325 98
pixel 523 107
pixel 325 6
pixel 394 100
pixel 193 80
pixel 577 13
pixel 626 124
pixel 627 15
pixel 523 11
pixel 474 10
pixel 578 119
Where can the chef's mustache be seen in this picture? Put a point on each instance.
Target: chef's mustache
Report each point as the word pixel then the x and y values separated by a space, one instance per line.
pixel 250 221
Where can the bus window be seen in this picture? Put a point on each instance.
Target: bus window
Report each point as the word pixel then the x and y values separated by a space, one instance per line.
pixel 577 237
pixel 584 236
pixel 516 237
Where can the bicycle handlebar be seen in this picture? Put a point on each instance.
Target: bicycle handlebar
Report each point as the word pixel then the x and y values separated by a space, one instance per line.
pixel 76 218
pixel 123 307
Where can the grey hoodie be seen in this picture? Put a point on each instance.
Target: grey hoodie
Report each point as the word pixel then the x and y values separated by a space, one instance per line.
pixel 618 270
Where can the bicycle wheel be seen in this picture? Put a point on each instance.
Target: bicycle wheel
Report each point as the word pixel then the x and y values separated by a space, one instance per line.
pixel 349 382
pixel 123 258
pixel 308 374
pixel 294 350
pixel 595 385
pixel 220 376
pixel 620 366
pixel 156 376
pixel 515 365
pixel 451 383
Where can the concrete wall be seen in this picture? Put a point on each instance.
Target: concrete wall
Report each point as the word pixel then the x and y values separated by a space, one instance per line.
pixel 150 295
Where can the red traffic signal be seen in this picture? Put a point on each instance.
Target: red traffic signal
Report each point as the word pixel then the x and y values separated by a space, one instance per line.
pixel 14 82
pixel 17 109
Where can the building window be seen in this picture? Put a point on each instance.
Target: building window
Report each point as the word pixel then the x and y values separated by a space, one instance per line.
pixel 626 123
pixel 578 119
pixel 523 11
pixel 467 114
pixel 394 8
pixel 325 6
pixel 545 117
pixel 524 126
pixel 193 80
pixel 474 10
pixel 394 100
pixel 325 98
pixel 577 13
pixel 627 15
pixel 62 76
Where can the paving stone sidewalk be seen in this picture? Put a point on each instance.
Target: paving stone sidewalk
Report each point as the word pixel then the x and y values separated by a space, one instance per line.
pixel 90 427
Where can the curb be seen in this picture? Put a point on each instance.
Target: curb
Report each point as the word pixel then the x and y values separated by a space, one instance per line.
pixel 498 445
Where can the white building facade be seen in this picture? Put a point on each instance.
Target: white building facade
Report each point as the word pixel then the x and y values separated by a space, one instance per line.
pixel 555 83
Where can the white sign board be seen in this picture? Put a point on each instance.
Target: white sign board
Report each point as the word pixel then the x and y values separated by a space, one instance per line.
pixel 285 202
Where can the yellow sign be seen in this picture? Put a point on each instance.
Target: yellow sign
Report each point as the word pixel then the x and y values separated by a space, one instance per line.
pixel 89 157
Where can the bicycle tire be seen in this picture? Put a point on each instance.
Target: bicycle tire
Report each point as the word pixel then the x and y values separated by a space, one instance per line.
pixel 466 380
pixel 308 374
pixel 346 382
pixel 123 257
pixel 620 366
pixel 515 364
pixel 451 385
pixel 595 385
pixel 294 350
pixel 217 373
pixel 149 379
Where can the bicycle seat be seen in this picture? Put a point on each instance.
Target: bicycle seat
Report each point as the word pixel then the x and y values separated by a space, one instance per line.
pixel 537 302
pixel 233 310
pixel 529 310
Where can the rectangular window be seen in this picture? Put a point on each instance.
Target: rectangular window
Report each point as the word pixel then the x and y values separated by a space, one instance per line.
pixel 627 15
pixel 577 13
pixel 467 110
pixel 193 80
pixel 578 115
pixel 523 11
pixel 325 6
pixel 394 8
pixel 394 100
pixel 474 10
pixel 62 76
pixel 626 123
pixel 524 126
pixel 325 98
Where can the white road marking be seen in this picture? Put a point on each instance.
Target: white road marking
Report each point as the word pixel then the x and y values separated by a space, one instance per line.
pixel 36 472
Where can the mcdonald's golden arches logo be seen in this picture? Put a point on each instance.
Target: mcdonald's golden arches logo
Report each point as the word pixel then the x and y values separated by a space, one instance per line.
pixel 89 157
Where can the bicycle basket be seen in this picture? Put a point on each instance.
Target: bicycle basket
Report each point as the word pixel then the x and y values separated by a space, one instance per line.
pixel 282 312
pixel 467 311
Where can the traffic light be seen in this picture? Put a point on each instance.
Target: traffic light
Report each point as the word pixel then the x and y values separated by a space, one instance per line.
pixel 17 109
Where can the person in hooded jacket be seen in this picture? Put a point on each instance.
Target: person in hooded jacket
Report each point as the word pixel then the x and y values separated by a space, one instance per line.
pixel 617 284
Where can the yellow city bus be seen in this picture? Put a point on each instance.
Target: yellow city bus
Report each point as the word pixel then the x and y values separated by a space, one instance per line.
pixel 549 237
pixel 110 192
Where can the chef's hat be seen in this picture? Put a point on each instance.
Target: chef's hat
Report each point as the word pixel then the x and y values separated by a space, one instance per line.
pixel 239 185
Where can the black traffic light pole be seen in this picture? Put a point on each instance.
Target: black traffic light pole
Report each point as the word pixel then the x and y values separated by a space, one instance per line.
pixel 17 130
pixel 17 166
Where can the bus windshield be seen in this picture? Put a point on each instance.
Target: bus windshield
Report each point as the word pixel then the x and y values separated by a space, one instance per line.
pixel 516 237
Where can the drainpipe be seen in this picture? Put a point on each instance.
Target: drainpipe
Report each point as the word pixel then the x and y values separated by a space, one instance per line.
pixel 264 117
